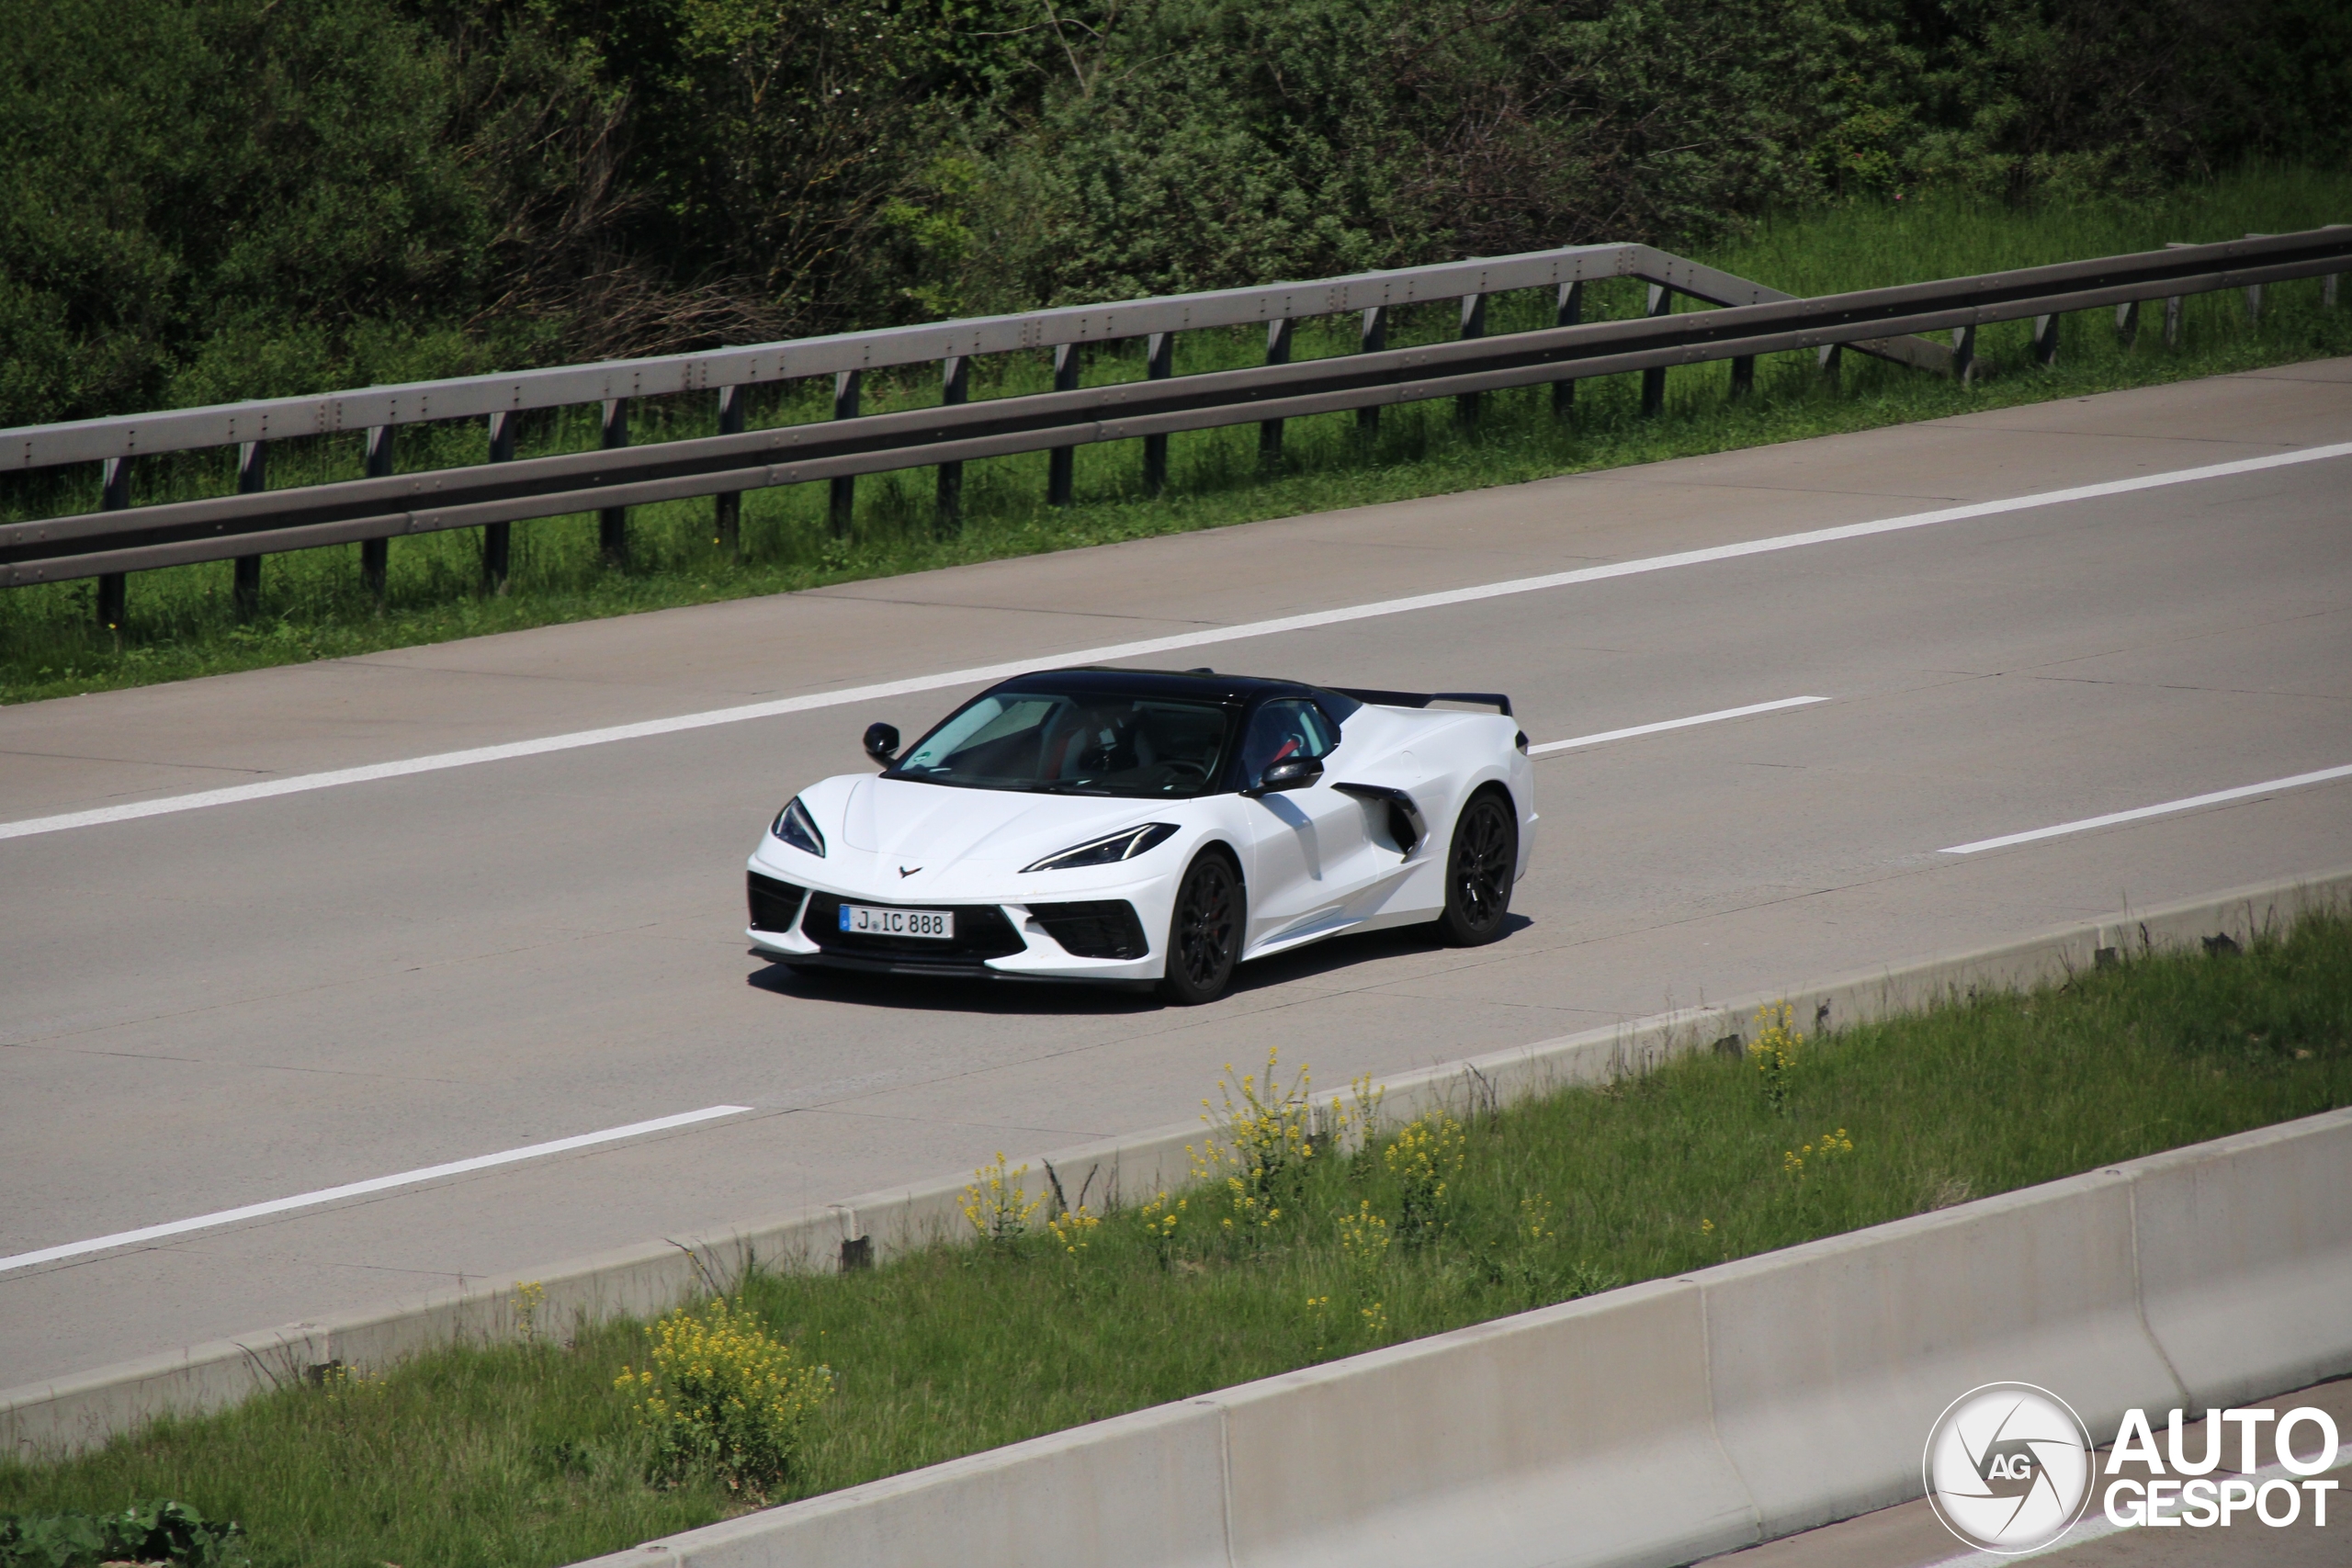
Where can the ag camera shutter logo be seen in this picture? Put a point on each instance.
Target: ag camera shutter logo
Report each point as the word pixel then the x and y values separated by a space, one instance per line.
pixel 2008 1467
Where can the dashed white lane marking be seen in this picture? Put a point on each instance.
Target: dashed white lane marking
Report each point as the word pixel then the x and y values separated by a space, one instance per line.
pixel 980 674
pixel 375 1184
pixel 1672 724
pixel 2244 792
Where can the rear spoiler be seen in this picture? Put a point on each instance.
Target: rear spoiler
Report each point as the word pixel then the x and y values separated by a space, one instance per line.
pixel 1495 700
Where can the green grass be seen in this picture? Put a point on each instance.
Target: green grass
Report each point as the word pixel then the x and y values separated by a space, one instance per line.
pixel 182 622
pixel 525 1455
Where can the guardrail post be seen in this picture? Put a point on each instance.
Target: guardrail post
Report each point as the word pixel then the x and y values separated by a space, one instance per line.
pixel 1158 364
pixel 253 476
pixel 2127 323
pixel 2045 338
pixel 844 509
pixel 1372 337
pixel 375 555
pixel 114 587
pixel 1963 353
pixel 612 523
pixel 1831 357
pixel 2254 295
pixel 496 538
pixel 1654 378
pixel 955 387
pixel 1568 310
pixel 2173 303
pixel 727 507
pixel 1474 325
pixel 1061 463
pixel 1270 431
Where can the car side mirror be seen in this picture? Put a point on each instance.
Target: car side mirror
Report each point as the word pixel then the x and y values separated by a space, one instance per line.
pixel 1291 773
pixel 882 742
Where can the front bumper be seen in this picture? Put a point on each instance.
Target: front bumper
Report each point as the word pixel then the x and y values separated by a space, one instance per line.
pixel 1099 938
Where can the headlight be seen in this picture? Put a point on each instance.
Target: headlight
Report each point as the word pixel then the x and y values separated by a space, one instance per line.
pixel 1124 844
pixel 796 828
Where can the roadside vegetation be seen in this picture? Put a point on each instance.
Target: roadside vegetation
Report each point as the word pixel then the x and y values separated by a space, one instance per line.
pixel 183 621
pixel 1282 1254
pixel 207 200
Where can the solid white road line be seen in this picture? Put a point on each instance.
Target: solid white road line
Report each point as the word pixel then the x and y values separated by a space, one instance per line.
pixel 377 1184
pixel 2242 792
pixel 982 674
pixel 1672 724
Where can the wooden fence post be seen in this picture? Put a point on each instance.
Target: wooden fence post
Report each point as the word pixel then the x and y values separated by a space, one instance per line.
pixel 253 476
pixel 843 512
pixel 1061 463
pixel 375 555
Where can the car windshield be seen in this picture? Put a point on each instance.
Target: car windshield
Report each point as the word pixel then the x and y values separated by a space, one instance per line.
pixel 1075 743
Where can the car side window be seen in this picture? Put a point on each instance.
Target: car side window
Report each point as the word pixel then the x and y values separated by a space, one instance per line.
pixel 1285 728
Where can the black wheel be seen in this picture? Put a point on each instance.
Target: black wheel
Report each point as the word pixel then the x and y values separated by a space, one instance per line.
pixel 1204 934
pixel 1479 871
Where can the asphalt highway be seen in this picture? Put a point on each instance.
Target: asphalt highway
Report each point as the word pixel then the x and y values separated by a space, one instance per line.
pixel 267 1000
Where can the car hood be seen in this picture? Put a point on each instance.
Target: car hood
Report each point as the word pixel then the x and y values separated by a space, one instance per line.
pixel 937 825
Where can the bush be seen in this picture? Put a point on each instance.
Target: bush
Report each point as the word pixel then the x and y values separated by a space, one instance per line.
pixel 210 199
pixel 722 1396
pixel 154 1531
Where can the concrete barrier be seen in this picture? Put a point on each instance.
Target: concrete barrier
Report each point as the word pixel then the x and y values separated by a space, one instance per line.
pixel 68 1414
pixel 2244 1250
pixel 1664 1422
pixel 1579 1434
pixel 1831 1361
pixel 1126 1490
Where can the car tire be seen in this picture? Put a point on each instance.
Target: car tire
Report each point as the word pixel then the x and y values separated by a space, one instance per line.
pixel 1205 931
pixel 1480 865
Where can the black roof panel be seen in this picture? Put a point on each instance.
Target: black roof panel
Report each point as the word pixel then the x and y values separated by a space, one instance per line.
pixel 1110 679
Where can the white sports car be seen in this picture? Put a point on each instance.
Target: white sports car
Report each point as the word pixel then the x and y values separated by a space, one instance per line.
pixel 1151 828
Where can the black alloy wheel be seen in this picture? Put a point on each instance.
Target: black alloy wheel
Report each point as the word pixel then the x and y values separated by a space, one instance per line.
pixel 1205 935
pixel 1479 871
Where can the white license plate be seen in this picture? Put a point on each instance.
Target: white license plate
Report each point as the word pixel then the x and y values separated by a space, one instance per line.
pixel 867 921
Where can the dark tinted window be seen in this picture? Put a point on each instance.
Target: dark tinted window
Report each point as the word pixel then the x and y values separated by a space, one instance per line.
pixel 1283 728
pixel 1078 742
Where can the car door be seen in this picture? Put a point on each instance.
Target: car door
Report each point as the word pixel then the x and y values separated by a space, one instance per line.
pixel 1306 844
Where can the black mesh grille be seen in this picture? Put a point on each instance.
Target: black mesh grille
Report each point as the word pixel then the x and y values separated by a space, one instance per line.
pixel 981 932
pixel 775 905
pixel 1105 928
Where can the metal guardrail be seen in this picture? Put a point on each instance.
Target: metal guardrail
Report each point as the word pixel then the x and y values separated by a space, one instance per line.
pixel 279 419
pixel 1754 320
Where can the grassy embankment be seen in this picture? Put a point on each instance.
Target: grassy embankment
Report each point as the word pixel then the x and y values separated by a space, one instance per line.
pixel 182 622
pixel 527 1455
